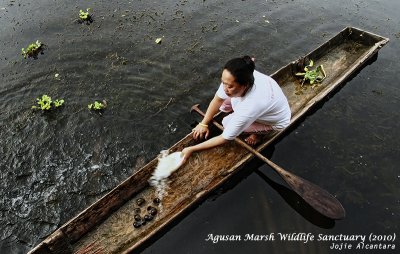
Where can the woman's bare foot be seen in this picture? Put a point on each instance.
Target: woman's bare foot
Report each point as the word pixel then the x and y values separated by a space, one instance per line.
pixel 253 139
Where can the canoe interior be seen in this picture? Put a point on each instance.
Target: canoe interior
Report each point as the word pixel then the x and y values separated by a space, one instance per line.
pixel 106 226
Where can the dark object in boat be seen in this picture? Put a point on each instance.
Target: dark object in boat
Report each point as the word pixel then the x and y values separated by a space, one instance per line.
pixel 149 208
pixel 153 211
pixel 136 210
pixel 148 217
pixel 140 201
pixel 137 217
pixel 156 201
pixel 137 224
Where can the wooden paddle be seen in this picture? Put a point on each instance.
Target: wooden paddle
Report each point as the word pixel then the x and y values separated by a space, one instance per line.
pixel 318 198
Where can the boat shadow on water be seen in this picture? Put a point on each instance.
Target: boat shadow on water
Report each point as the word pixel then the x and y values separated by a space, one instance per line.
pixel 291 197
pixel 298 204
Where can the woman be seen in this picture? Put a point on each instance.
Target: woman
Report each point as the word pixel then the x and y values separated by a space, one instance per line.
pixel 257 102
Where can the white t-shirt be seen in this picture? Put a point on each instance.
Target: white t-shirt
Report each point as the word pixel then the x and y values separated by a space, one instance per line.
pixel 264 103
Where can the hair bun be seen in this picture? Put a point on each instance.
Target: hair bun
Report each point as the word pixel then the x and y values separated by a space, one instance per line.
pixel 242 69
pixel 249 62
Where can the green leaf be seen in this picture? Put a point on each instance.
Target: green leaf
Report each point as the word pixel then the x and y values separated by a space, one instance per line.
pixel 84 15
pixel 58 103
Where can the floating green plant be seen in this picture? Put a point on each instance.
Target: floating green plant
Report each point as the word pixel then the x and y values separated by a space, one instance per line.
pixel 85 16
pixel 97 106
pixel 45 103
pixel 316 75
pixel 33 49
pixel 58 103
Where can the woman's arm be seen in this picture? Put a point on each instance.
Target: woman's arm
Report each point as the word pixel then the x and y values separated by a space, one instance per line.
pixel 212 109
pixel 215 141
pixel 201 131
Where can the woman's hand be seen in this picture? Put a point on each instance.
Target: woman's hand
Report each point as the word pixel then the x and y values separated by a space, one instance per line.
pixel 213 142
pixel 186 153
pixel 200 132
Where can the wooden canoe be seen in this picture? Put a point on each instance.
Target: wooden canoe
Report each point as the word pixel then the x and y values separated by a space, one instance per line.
pixel 106 226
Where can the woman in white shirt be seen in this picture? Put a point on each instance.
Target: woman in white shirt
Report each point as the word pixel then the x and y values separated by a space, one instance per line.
pixel 257 103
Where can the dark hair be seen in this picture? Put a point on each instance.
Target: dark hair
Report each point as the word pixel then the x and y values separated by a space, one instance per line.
pixel 242 69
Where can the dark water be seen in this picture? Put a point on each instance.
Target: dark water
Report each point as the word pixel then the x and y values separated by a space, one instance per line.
pixel 54 165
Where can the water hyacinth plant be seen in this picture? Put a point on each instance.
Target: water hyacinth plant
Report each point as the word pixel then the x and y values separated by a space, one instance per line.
pixel 58 103
pixel 33 49
pixel 97 106
pixel 312 76
pixel 85 16
pixel 45 103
